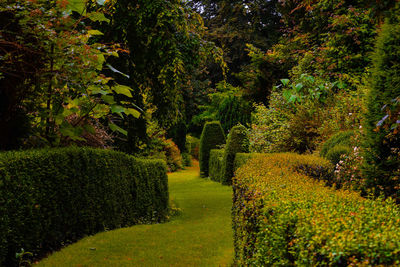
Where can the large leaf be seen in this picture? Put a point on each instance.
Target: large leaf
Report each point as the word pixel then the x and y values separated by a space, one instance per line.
pixel 285 81
pixel 114 128
pixel 123 90
pixel 117 109
pixel 76 5
pixel 133 112
pixel 97 16
pixel 95 32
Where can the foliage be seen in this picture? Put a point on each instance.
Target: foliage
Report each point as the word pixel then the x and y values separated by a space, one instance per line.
pixel 269 126
pixel 237 142
pixel 186 159
pixel 337 152
pixel 53 197
pixel 381 167
pixel 173 155
pixel 234 23
pixel 227 106
pixel 216 164
pixel 193 146
pixel 178 134
pixel 211 137
pixel 282 217
pixel 64 78
pixel 340 138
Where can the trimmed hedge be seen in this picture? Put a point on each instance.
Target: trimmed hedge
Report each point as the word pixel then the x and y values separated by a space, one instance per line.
pixel 340 138
pixel 211 137
pixel 49 198
pixel 336 153
pixel 186 159
pixel 282 217
pixel 216 164
pixel 237 142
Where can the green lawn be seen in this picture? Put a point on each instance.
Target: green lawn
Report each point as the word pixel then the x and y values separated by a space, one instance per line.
pixel 200 236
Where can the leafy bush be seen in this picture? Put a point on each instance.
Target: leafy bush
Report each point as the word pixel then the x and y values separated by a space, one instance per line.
pixel 285 218
pixel 173 155
pixel 238 142
pixel 381 167
pixel 216 164
pixel 186 159
pixel 193 146
pixel 340 138
pixel 211 137
pixel 334 155
pixel 52 197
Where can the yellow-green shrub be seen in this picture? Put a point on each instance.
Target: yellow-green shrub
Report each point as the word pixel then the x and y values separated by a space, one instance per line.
pixel 52 197
pixel 282 217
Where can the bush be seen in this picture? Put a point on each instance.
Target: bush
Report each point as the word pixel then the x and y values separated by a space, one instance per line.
pixel 173 155
pixel 186 159
pixel 340 138
pixel 216 164
pixel 381 167
pixel 211 137
pixel 285 218
pixel 193 146
pixel 237 142
pixel 334 155
pixel 49 198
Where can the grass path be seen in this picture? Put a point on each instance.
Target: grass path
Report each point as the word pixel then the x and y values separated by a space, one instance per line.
pixel 200 236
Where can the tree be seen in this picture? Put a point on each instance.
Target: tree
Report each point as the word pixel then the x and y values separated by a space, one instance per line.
pixel 381 167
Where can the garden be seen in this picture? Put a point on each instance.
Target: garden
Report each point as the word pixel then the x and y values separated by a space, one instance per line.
pixel 199 133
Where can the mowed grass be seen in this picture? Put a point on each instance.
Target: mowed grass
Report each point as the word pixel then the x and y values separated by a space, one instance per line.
pixel 201 235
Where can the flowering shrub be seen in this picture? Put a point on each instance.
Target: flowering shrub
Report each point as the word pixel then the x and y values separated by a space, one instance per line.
pixel 285 218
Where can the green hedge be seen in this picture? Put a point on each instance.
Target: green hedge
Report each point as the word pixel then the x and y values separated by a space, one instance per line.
pixel 49 198
pixel 237 142
pixel 282 217
pixel 212 137
pixel 216 164
pixel 340 138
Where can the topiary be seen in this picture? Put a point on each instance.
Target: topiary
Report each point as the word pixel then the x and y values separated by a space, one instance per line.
pixel 340 138
pixel 334 154
pixel 212 137
pixel 238 142
pixel 381 166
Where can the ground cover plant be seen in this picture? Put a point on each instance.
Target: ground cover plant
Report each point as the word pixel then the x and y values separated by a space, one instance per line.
pixel 200 235
pixel 284 217
pixel 53 197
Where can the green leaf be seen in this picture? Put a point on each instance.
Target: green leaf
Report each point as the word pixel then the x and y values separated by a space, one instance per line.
pixel 123 90
pixel 298 87
pixel 285 81
pixel 133 112
pixel 117 109
pixel 109 99
pixel 76 5
pixel 114 128
pixel 95 32
pixel 97 16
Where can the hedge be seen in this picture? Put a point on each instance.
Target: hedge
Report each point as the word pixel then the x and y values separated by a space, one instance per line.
pixel 49 198
pixel 212 137
pixel 281 217
pixel 216 164
pixel 237 142
pixel 340 138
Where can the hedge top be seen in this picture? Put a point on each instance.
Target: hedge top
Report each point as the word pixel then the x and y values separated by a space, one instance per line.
pixel 301 222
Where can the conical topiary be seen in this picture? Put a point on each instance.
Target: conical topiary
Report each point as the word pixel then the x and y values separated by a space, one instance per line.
pixel 238 142
pixel 212 137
